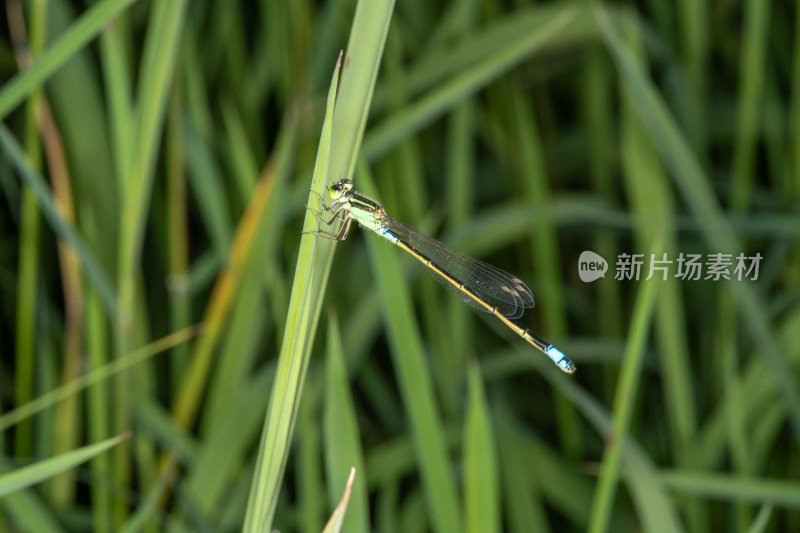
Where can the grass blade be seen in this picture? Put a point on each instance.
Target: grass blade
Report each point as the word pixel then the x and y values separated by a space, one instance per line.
pixel 80 33
pixel 341 434
pixel 481 486
pixel 698 194
pixel 293 359
pixel 58 223
pixel 30 475
pixel 624 400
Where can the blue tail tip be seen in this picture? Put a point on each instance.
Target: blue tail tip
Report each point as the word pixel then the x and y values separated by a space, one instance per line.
pixel 561 360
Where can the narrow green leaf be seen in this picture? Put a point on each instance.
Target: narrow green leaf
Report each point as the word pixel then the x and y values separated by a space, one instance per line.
pixel 481 486
pixel 295 351
pixel 60 226
pixel 80 33
pixel 38 472
pixel 342 437
pixel 96 375
pixel 699 196
pixel 624 401
pixel 778 492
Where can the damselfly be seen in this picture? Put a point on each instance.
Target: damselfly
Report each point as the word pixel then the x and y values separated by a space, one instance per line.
pixel 481 285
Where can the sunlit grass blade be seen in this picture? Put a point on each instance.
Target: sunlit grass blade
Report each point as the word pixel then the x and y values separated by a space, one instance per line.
pixel 27 509
pixel 359 72
pixel 335 154
pixel 35 473
pixel 293 359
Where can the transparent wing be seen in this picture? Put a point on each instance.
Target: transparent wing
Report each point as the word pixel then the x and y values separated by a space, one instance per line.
pixel 500 289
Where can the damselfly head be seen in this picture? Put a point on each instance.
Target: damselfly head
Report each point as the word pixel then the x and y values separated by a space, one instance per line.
pixel 339 188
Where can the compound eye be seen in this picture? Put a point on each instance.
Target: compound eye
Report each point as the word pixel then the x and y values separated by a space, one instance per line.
pixel 335 190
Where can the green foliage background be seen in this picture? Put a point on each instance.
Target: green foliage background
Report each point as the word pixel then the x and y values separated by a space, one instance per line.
pixel 155 161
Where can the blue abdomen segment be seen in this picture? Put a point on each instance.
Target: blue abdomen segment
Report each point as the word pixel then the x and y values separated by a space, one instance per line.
pixel 558 357
pixel 387 234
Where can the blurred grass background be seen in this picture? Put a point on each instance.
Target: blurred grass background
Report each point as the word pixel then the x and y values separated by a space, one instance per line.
pixel 156 156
